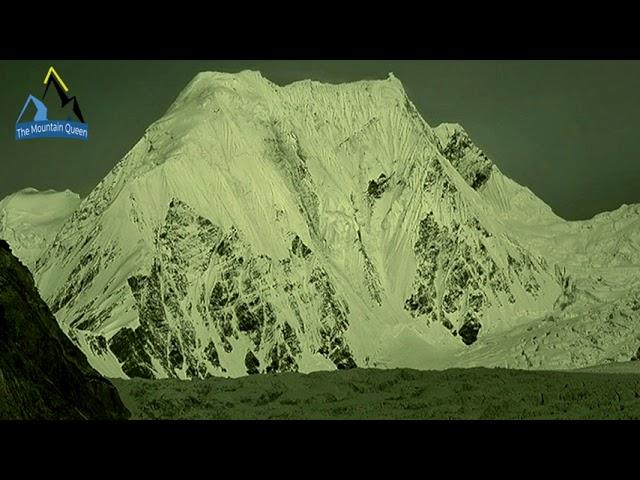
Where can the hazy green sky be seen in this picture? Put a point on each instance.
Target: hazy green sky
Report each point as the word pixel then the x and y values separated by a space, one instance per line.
pixel 567 130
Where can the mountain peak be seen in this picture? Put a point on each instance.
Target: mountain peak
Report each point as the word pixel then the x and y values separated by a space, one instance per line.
pixel 49 191
pixel 391 78
pixel 204 84
pixel 29 218
pixel 221 78
pixel 275 224
pixel 32 199
pixel 27 191
pixel 208 79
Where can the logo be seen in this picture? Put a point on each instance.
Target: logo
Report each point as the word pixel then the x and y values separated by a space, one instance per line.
pixel 42 126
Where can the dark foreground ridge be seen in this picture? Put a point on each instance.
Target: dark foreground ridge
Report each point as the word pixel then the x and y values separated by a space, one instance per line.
pixel 477 393
pixel 42 374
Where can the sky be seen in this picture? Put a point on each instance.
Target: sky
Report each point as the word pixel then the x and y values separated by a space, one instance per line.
pixel 568 130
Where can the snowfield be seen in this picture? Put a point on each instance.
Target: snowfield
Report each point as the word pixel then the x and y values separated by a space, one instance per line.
pixel 30 219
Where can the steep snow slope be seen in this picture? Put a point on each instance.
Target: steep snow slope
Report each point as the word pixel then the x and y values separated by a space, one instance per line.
pixel 29 219
pixel 597 318
pixel 258 228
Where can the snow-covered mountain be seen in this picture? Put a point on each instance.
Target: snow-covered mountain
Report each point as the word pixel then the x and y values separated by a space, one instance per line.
pixel 30 219
pixel 259 228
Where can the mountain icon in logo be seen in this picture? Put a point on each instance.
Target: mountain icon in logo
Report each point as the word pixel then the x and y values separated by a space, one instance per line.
pixel 41 109
pixel 43 127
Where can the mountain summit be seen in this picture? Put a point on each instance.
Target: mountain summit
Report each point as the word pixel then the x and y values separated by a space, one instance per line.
pixel 265 228
pixel 30 219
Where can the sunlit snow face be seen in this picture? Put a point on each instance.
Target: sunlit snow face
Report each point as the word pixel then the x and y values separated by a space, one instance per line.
pixel 257 228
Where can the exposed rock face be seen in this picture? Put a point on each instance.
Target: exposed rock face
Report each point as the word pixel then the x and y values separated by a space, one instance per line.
pixel 470 162
pixel 42 374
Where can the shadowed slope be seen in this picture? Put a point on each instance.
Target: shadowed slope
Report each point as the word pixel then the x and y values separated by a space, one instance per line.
pixel 42 374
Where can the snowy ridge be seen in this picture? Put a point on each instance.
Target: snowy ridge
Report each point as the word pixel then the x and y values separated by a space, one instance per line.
pixel 258 228
pixel 30 219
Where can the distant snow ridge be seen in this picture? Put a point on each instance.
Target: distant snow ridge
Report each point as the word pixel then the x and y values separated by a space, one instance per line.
pixel 30 219
pixel 257 228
